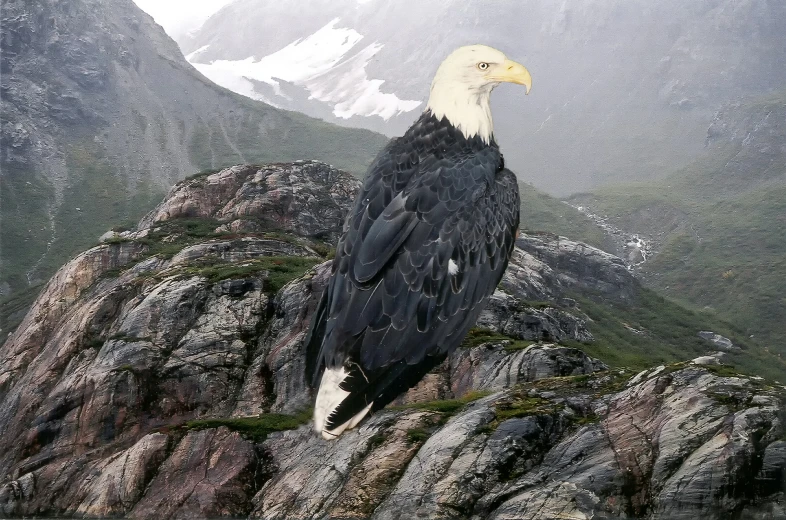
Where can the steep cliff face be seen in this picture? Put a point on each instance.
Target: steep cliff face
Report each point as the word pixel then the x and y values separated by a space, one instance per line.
pixel 101 114
pixel 160 374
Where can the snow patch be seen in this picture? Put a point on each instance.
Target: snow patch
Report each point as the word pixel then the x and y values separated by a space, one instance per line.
pixel 330 64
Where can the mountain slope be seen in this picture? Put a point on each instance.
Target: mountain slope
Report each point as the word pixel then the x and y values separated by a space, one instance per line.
pixel 623 89
pixel 717 227
pixel 101 114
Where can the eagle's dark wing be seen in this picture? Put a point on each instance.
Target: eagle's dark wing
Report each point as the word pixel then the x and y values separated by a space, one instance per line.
pixel 394 306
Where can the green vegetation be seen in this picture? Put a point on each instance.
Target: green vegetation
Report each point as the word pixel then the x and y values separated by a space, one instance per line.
pixel 524 399
pixel 191 228
pixel 720 223
pixel 446 407
pixel 256 428
pixel 35 243
pixel 723 370
pixel 172 236
pixel 95 198
pixel 727 257
pixel 14 307
pixel 218 143
pixel 735 401
pixel 478 336
pixel 543 213
pixel 376 440
pixel 418 435
pixel 280 270
pixel 654 330
pixel 518 344
pixel 25 224
pixel 523 406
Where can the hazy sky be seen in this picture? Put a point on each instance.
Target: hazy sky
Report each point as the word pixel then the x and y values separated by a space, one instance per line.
pixel 177 17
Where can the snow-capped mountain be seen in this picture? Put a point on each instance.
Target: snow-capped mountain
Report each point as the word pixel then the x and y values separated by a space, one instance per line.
pixel 329 64
pixel 622 88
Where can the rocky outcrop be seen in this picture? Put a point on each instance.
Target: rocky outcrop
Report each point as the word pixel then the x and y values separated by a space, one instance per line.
pixel 576 266
pixel 161 374
pixel 719 341
pixel 305 198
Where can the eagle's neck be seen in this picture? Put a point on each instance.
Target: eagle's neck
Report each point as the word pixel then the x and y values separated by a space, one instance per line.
pixel 465 108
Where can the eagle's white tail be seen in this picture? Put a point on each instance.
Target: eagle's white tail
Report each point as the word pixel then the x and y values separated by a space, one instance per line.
pixel 329 397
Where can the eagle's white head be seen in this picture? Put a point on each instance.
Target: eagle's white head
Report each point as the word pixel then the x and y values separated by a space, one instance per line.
pixel 463 83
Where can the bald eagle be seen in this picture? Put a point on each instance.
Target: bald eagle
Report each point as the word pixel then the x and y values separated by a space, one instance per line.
pixel 422 250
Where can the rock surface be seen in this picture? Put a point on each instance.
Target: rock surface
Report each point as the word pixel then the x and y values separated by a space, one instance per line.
pixel 719 341
pixel 161 374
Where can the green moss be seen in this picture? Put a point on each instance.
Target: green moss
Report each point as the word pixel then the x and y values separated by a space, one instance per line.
pixel 113 273
pixel 523 406
pixel 256 428
pixel 732 400
pixel 116 240
pixel 536 304
pixel 525 400
pixel 519 344
pixel 418 435
pixel 279 270
pixel 202 174
pixel 447 406
pixel 376 440
pixel 171 236
pixel 324 250
pixel 588 419
pixel 188 227
pixel 478 336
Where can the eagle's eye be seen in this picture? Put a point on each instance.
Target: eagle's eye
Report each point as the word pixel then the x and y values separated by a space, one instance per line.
pixel 483 65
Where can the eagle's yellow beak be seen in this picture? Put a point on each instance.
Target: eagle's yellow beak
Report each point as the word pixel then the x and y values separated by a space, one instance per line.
pixel 512 72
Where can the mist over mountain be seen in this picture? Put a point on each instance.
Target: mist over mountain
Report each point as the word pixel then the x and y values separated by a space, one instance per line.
pixel 101 114
pixel 623 89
